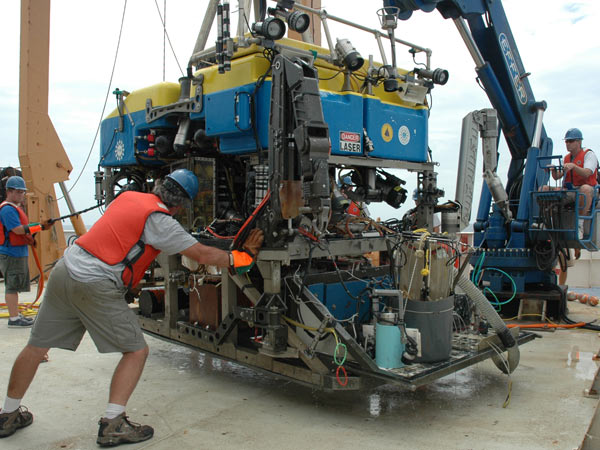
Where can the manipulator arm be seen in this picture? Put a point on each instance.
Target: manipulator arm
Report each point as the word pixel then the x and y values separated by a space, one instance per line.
pixel 480 124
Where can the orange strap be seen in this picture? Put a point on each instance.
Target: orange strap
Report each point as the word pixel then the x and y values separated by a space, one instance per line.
pixel 546 325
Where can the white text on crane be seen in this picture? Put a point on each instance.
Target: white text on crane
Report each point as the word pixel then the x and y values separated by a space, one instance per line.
pixel 512 67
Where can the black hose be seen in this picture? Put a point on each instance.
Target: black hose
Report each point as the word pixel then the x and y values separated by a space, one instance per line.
pixel 563 311
pixel 587 326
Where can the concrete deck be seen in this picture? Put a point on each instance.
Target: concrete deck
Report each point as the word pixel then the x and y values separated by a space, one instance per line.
pixel 196 401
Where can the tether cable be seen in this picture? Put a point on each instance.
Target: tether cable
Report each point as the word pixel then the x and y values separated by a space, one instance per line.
pixel 105 100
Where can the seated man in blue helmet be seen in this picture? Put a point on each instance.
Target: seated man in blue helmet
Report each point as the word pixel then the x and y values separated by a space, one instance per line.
pixel 580 169
pixel 86 292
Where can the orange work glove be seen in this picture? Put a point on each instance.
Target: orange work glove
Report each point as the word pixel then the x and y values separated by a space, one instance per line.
pixel 32 228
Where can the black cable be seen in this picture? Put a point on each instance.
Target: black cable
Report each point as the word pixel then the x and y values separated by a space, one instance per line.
pixel 415 60
pixel 248 25
pixel 545 255
pixel 331 78
pixel 587 326
pixel 340 276
pixel 563 312
pixel 107 148
pixel 411 345
pixel 563 261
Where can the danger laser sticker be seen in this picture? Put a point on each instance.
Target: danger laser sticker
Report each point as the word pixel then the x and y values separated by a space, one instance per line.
pixel 350 142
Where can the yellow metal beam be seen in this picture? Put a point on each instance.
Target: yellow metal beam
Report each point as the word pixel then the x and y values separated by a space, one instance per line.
pixel 41 154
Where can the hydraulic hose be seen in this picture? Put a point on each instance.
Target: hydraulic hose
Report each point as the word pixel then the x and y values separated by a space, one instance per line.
pixel 41 280
pixel 488 311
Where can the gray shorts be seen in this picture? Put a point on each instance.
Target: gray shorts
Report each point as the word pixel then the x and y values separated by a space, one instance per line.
pixel 70 307
pixel 16 273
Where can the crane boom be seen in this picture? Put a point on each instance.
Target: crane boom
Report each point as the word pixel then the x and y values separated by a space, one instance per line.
pixel 41 154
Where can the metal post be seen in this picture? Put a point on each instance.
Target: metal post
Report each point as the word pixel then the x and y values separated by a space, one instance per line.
pixel 537 130
pixel 243 15
pixel 328 36
pixel 76 221
pixel 465 33
pixel 209 17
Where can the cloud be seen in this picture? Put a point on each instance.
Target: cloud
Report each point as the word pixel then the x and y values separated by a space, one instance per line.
pixel 572 7
pixel 557 41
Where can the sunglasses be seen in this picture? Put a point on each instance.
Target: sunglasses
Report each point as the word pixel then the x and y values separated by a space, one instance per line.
pixel 568 141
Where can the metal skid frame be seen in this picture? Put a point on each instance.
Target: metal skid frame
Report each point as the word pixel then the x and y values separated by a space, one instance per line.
pixel 295 361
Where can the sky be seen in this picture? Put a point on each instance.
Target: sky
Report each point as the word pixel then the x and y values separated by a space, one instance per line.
pixel 557 40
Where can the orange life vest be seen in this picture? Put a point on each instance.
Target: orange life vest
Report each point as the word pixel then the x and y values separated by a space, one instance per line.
pixel 13 238
pixel 119 230
pixel 575 178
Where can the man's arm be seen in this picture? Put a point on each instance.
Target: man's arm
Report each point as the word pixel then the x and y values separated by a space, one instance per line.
pixel 581 171
pixel 205 254
pixel 164 233
pixel 239 260
pixel 19 230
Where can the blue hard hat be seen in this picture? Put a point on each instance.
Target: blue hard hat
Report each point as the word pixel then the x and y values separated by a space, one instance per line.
pixel 16 182
pixel 574 133
pixel 415 195
pixel 186 180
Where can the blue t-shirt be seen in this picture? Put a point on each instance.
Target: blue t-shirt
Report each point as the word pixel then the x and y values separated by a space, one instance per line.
pixel 10 219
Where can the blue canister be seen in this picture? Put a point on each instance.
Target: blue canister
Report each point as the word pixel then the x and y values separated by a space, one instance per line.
pixel 388 346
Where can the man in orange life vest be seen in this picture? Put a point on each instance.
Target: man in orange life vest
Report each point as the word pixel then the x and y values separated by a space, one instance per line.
pixel 579 172
pixel 86 292
pixel 16 233
pixel 579 169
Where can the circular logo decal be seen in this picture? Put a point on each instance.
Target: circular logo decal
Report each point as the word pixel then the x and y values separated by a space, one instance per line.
pixel 404 135
pixel 119 150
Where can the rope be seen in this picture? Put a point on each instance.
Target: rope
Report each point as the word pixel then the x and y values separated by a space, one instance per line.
pixel 164 36
pixel 105 100
pixel 168 38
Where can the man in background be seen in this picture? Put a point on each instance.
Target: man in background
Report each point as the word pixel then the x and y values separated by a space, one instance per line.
pixel 16 233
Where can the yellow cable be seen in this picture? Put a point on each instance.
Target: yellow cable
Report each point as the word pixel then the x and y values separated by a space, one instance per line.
pixel 426 267
pixel 536 315
pixel 306 327
pixel 508 395
pixel 24 309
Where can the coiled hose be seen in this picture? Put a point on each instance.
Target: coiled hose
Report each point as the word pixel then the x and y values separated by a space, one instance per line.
pixel 488 311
